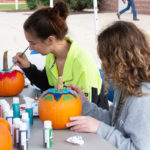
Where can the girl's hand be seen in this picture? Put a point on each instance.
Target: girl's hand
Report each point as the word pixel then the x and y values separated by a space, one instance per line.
pixel 22 62
pixel 83 124
pixel 78 91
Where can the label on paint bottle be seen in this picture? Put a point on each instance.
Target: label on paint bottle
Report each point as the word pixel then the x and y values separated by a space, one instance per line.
pixel 47 135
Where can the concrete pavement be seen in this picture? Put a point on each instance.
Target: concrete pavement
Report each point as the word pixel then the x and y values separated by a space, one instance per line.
pixel 81 29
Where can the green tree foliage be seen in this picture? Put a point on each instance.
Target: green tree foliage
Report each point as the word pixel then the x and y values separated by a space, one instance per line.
pixel 33 4
pixel 73 4
pixel 78 5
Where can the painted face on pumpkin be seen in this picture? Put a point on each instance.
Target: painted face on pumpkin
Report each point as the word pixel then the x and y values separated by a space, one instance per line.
pixel 57 95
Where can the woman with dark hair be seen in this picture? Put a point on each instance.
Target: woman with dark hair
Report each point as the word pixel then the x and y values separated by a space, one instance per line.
pixel 46 30
pixel 125 54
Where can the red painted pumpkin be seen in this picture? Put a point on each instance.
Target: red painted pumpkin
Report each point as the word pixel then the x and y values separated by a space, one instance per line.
pixel 5 138
pixel 11 81
pixel 59 106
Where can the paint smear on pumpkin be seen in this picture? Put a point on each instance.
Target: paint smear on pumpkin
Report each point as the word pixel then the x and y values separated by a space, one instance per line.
pixel 57 94
pixel 10 74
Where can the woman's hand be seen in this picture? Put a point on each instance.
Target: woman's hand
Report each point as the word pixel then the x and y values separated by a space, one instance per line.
pixel 83 124
pixel 22 62
pixel 78 91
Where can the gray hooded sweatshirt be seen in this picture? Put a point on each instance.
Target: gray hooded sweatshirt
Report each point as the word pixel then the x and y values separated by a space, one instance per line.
pixel 132 128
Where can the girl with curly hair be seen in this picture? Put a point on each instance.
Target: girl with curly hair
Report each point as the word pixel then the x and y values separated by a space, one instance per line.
pixel 125 54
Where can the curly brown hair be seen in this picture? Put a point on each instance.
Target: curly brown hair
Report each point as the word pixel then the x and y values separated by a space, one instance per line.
pixel 125 54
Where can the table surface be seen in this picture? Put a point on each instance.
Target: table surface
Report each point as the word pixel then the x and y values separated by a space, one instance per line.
pixel 91 141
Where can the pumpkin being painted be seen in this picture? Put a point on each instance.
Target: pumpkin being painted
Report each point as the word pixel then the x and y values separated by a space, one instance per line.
pixel 59 106
pixel 11 81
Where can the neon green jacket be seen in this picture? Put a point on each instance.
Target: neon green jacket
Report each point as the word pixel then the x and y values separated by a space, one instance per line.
pixel 79 69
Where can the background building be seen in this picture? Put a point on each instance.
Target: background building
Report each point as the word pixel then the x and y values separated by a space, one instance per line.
pixel 142 6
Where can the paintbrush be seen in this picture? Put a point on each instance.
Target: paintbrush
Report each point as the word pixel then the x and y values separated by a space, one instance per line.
pixel 19 56
pixel 69 86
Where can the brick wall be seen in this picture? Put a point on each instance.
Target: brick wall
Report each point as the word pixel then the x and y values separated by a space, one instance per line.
pixel 108 5
pixel 142 6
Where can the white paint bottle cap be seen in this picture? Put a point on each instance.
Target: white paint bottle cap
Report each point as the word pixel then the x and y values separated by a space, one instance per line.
pixel 47 124
pixel 15 99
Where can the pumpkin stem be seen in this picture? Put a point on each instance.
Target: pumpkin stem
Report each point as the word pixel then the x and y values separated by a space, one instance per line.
pixel 5 63
pixel 59 86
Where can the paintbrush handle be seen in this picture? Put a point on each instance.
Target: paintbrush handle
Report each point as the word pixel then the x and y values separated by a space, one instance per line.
pixel 19 56
pixel 12 66
pixel 23 52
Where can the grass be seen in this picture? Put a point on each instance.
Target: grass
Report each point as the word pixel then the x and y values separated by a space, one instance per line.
pixel 13 7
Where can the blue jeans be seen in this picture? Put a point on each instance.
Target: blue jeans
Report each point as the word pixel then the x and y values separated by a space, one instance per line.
pixel 130 4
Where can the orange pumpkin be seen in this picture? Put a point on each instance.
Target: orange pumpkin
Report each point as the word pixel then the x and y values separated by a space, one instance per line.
pixel 11 81
pixel 59 106
pixel 5 138
pixel 5 123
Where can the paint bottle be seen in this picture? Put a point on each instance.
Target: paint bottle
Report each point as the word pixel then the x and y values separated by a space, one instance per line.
pixel 5 107
pixel 1 111
pixel 35 108
pixel 47 135
pixel 23 142
pixel 9 118
pixel 29 110
pixel 16 107
pixel 16 126
pixel 25 119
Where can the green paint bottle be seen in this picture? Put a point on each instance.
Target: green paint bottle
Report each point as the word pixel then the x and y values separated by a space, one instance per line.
pixel 47 135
